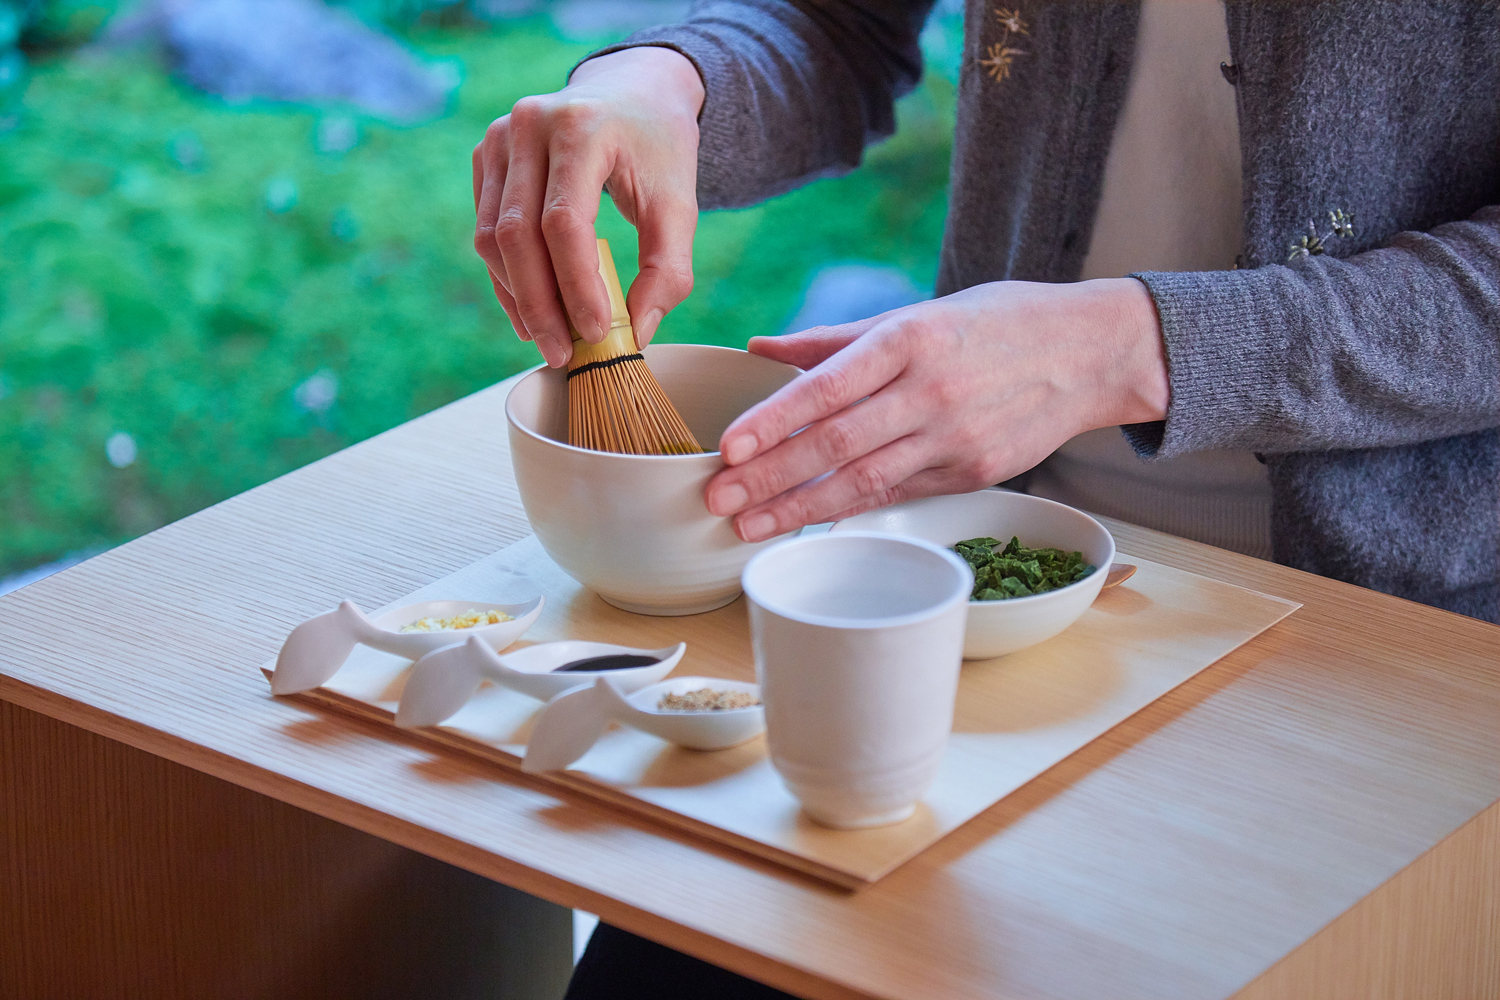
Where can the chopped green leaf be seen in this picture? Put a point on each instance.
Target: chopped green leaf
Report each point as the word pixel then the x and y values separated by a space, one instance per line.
pixel 1016 571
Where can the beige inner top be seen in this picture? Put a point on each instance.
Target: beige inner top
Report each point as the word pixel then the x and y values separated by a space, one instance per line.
pixel 1171 202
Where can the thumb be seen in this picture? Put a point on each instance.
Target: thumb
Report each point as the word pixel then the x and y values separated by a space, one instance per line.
pixel 666 260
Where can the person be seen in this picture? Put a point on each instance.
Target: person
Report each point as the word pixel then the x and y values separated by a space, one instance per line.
pixel 1260 239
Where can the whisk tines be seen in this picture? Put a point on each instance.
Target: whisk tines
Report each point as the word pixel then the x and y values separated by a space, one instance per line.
pixel 614 401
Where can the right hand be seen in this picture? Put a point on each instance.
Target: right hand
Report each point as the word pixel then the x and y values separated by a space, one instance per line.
pixel 626 122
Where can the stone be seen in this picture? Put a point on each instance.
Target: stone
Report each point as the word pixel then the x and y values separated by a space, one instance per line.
pixel 843 293
pixel 301 51
pixel 589 20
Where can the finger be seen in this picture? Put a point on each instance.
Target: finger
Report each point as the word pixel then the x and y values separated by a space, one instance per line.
pixel 476 161
pixel 926 483
pixel 811 347
pixel 853 373
pixel 828 444
pixel 666 226
pixel 525 260
pixel 868 480
pixel 509 305
pixel 489 161
pixel 490 158
pixel 576 174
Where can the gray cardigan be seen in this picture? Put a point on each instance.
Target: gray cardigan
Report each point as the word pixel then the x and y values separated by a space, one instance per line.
pixel 1368 376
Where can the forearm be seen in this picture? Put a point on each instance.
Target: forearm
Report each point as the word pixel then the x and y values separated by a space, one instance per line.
pixel 1389 347
pixel 794 90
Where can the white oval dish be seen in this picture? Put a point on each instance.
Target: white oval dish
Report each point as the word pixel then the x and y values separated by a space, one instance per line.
pixel 316 649
pixel 634 528
pixel 999 627
pixel 443 681
pixel 574 720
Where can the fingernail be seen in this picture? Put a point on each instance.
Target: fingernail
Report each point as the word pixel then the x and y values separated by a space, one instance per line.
pixel 646 328
pixel 588 327
pixel 551 352
pixel 730 499
pixel 756 527
pixel 738 449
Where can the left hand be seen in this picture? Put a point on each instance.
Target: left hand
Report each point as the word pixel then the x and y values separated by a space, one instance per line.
pixel 945 396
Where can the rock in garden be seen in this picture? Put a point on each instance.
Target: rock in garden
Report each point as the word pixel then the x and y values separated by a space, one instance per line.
pixel 583 20
pixel 848 292
pixel 289 50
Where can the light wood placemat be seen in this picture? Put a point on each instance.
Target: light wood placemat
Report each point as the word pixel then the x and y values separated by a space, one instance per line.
pixel 1016 715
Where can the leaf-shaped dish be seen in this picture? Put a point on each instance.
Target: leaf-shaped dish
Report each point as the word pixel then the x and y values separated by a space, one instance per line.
pixel 316 649
pixel 443 681
pixel 574 720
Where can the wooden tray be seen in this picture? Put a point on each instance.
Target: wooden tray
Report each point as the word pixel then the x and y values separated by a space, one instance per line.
pixel 1017 715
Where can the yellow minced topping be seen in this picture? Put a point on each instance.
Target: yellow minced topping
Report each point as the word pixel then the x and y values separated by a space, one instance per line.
pixel 469 619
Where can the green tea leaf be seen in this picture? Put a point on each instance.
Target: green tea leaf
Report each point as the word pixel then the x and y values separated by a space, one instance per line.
pixel 1016 571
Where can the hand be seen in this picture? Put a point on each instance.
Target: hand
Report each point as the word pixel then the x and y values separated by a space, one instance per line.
pixel 627 121
pixel 945 396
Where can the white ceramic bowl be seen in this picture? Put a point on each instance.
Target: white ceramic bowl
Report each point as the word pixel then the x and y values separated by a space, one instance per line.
pixel 633 528
pixel 999 627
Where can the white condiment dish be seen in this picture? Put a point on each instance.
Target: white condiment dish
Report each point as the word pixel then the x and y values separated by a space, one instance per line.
pixel 999 627
pixel 858 639
pixel 634 528
pixel 316 649
pixel 443 681
pixel 574 720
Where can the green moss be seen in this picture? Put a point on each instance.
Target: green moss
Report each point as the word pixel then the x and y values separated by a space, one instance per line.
pixel 175 268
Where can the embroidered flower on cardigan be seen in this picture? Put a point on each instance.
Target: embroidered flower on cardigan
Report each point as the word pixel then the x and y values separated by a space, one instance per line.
pixel 1012 20
pixel 999 56
pixel 1315 243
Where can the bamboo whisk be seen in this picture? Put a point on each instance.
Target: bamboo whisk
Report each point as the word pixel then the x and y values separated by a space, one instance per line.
pixel 614 402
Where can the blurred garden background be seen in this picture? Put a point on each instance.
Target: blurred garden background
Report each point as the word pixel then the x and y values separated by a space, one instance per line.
pixel 203 287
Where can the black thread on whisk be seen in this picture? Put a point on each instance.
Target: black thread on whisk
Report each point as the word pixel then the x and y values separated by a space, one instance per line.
pixel 595 365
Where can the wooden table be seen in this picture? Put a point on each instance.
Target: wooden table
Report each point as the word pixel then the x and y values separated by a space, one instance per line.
pixel 1314 816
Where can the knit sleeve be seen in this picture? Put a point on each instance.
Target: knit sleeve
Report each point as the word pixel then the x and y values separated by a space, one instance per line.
pixel 795 89
pixel 1388 347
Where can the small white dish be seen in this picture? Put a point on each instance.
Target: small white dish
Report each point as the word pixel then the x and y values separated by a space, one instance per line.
pixel 574 720
pixel 442 682
pixel 316 649
pixel 999 627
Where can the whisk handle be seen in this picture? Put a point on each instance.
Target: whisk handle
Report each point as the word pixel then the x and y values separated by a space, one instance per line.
pixel 620 340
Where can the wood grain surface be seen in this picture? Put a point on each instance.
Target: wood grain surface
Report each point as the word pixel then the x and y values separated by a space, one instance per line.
pixel 126 875
pixel 1015 716
pixel 1182 854
pixel 1430 933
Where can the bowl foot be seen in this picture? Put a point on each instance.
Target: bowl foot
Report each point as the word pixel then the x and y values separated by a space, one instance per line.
pixel 840 821
pixel 671 612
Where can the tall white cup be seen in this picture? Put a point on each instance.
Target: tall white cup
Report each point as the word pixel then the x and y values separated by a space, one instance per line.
pixel 858 639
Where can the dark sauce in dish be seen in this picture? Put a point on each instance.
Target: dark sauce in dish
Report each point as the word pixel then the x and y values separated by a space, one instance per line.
pixel 609 661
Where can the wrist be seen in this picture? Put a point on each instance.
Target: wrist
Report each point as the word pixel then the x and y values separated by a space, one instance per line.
pixel 668 75
pixel 1138 388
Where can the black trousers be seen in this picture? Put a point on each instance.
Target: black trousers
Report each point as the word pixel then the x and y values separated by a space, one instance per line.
pixel 617 965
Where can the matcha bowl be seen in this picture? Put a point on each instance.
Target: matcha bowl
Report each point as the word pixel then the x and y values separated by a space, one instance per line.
pixel 634 528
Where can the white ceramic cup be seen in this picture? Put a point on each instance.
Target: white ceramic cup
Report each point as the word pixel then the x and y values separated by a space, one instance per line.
pixel 858 638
